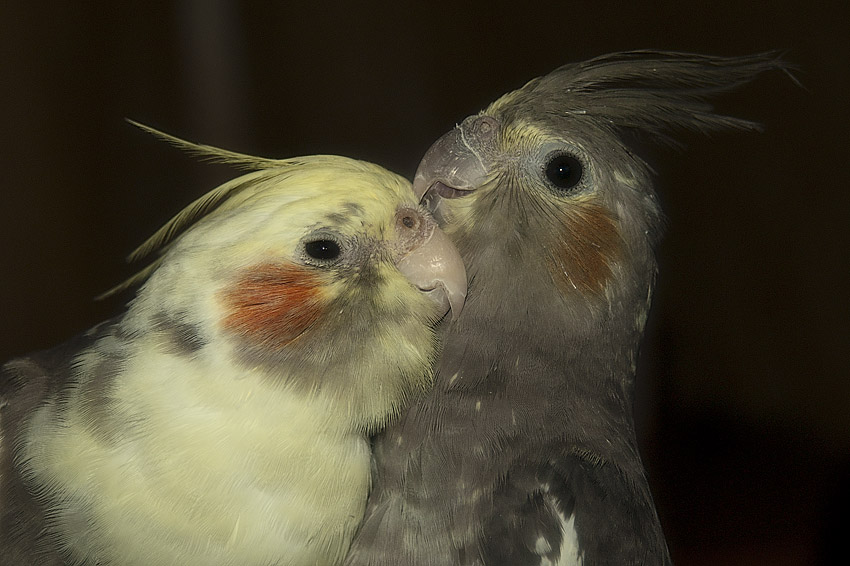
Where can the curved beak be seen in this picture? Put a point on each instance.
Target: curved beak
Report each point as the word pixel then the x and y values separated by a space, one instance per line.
pixel 436 268
pixel 454 164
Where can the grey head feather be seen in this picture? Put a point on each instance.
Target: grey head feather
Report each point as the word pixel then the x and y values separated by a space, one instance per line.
pixel 650 92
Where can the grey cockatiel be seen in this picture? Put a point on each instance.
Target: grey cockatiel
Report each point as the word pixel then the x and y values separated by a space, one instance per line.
pixel 224 418
pixel 524 452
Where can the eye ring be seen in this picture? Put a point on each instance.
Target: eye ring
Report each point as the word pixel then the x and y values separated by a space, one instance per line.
pixel 563 171
pixel 322 249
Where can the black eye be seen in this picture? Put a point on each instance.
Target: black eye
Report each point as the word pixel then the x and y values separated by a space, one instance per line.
pixel 564 171
pixel 322 249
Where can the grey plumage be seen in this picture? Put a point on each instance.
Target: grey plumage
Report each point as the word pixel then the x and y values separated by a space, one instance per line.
pixel 528 434
pixel 26 384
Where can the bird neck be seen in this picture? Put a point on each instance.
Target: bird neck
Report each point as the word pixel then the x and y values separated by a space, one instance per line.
pixel 541 354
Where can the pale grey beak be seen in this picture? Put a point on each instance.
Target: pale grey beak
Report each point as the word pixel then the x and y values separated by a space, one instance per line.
pixel 431 261
pixel 455 163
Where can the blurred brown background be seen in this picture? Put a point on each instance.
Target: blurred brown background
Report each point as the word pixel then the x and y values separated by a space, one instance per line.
pixel 745 383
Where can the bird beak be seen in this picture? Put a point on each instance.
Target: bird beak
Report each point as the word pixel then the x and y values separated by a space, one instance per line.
pixel 434 265
pixel 454 165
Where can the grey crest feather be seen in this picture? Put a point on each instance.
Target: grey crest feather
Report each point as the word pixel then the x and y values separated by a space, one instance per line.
pixel 652 92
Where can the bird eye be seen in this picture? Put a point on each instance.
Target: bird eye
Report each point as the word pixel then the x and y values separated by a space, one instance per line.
pixel 564 171
pixel 322 249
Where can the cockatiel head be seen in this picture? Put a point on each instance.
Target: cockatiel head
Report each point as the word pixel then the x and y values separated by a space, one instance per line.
pixel 543 187
pixel 524 452
pixel 553 160
pixel 300 265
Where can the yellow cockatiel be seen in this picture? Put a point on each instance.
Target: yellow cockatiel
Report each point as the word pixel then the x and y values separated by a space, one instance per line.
pixel 223 419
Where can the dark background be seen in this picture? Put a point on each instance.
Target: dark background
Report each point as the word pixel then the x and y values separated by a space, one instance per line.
pixel 745 380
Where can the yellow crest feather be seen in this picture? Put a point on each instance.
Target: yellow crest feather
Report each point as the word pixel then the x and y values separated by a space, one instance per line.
pixel 203 206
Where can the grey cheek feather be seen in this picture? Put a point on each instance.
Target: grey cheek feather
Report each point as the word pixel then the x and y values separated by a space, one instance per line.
pixel 353 209
pixel 338 218
pixel 181 337
pixel 345 214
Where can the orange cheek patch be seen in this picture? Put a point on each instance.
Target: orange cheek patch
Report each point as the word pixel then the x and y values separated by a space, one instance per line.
pixel 272 305
pixel 586 247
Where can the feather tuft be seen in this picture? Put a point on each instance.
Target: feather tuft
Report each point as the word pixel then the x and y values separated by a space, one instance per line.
pixel 210 153
pixel 652 92
pixel 261 169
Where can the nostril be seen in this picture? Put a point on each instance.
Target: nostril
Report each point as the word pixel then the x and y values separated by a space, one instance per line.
pixel 413 227
pixel 409 219
pixel 485 126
